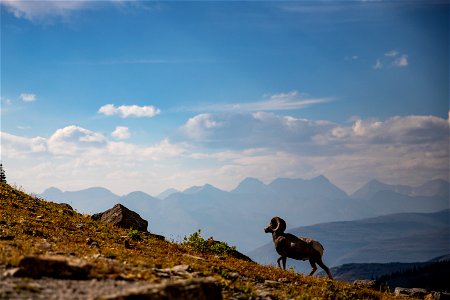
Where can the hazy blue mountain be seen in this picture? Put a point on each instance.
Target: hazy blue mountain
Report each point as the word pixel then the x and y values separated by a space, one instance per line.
pixel 89 201
pixel 167 193
pixel 251 186
pixel 353 271
pixel 432 188
pixel 239 216
pixel 407 237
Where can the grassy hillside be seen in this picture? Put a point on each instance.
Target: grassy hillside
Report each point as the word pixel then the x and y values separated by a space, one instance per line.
pixel 31 226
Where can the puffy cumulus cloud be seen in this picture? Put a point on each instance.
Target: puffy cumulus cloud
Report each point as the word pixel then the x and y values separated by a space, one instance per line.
pixel 27 97
pixel 81 143
pixel 198 127
pixel 396 130
pixel 250 130
pixel 73 140
pixel 39 11
pixel 126 111
pixel 401 149
pixel 16 146
pixel 121 133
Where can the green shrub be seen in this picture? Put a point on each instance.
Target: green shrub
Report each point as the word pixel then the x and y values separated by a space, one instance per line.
pixel 134 234
pixel 198 243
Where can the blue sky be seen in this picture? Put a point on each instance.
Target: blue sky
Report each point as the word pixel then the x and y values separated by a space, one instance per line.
pixel 136 95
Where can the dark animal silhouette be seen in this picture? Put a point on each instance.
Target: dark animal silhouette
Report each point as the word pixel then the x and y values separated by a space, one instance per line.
pixel 288 245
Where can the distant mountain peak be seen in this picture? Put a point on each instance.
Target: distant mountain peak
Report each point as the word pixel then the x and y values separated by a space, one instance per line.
pixel 200 189
pixel 52 190
pixel 250 185
pixel 167 193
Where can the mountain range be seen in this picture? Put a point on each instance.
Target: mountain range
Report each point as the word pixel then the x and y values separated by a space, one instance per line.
pixel 239 216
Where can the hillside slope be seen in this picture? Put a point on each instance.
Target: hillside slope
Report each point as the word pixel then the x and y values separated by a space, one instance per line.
pixel 33 227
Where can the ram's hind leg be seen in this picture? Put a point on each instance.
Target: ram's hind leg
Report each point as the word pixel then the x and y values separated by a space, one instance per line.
pixel 325 268
pixel 313 266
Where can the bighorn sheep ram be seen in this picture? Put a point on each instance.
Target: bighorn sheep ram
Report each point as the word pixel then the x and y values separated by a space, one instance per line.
pixel 288 245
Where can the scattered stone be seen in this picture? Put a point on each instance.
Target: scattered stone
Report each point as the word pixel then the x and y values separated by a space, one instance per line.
pixel 44 245
pixel 52 266
pixel 198 289
pixel 284 280
pixel 366 283
pixel 271 283
pixel 177 271
pixel 414 292
pixel 121 216
pixel 193 256
pixel 437 296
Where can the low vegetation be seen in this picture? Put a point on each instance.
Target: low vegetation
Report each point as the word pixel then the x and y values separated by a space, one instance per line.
pixel 32 226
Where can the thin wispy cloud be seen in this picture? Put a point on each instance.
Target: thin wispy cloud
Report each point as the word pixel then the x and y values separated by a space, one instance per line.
pixel 401 61
pixel 38 11
pixel 282 101
pixel 27 97
pixel 391 53
pixel 125 111
pixel 378 65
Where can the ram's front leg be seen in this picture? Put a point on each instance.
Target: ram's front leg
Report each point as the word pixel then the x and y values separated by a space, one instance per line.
pixel 283 259
pixel 278 261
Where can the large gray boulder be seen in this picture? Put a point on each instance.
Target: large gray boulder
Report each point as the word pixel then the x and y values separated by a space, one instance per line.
pixel 121 216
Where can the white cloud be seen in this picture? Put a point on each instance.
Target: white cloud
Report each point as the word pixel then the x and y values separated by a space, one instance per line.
pixel 224 148
pixel 401 61
pixel 38 11
pixel 27 97
pixel 378 65
pixel 282 101
pixel 121 133
pixel 126 111
pixel 74 140
pixel 391 53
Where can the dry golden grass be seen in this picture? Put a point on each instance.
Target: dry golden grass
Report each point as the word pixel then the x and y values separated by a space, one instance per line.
pixel 41 227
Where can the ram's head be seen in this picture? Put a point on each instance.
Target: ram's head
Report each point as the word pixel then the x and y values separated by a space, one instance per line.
pixel 277 225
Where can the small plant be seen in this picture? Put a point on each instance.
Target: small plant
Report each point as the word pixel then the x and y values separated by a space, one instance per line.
pixel 198 243
pixel 134 234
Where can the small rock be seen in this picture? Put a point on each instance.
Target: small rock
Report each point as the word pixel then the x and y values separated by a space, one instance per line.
pixel 53 266
pixel 366 283
pixel 39 217
pixel 271 283
pixel 193 256
pixel 121 216
pixel 284 280
pixel 198 289
pixel 414 292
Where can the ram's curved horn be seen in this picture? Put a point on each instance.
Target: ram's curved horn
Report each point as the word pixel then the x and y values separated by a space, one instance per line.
pixel 280 224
